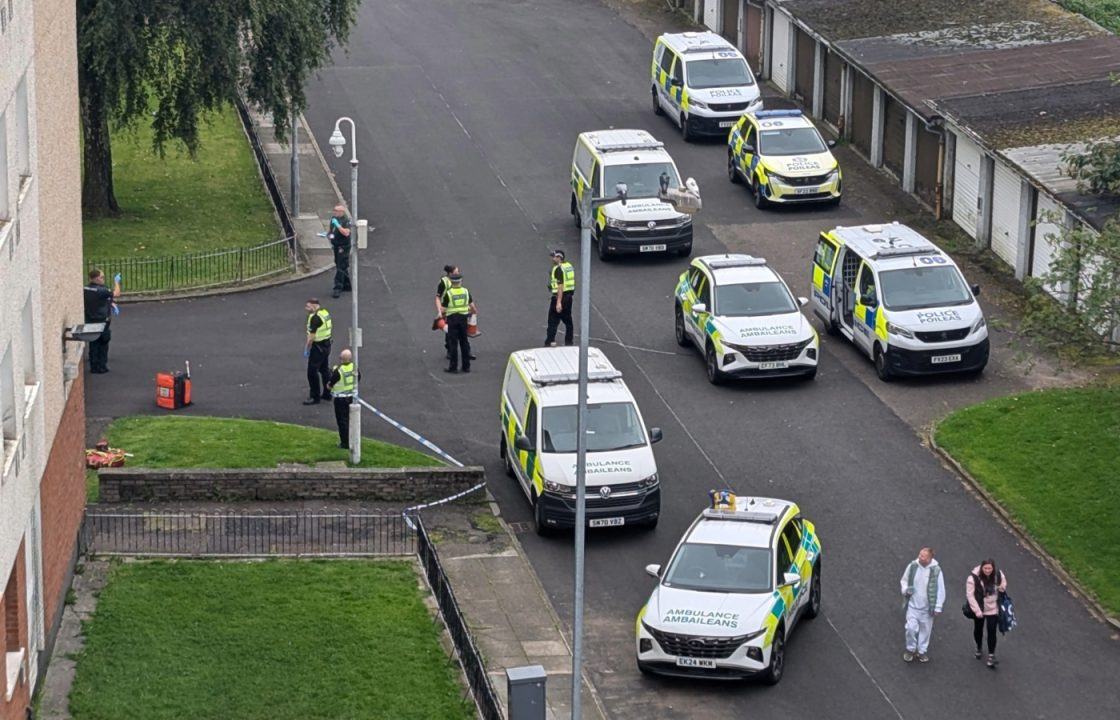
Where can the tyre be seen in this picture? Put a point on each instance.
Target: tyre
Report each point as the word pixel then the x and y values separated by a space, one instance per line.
pixel 833 202
pixel 777 666
pixel 760 201
pixel 711 363
pixel 882 367
pixel 732 171
pixel 832 327
pixel 813 609
pixel 678 328
pixel 686 129
pixel 575 212
pixel 539 523
pixel 601 247
pixel 656 104
pixel 506 460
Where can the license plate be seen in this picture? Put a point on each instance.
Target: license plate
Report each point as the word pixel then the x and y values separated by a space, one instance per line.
pixel 727 123
pixel 695 662
pixel 805 190
pixel 942 359
pixel 651 248
pixel 607 522
pixel 773 365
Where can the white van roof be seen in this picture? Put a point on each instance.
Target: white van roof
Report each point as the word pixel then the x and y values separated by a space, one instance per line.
pixel 560 365
pixel 881 242
pixel 607 141
pixel 696 42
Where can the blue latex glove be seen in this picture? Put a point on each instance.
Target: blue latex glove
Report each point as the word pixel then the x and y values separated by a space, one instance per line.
pixel 334 222
pixel 117 278
pixel 307 353
pixel 116 309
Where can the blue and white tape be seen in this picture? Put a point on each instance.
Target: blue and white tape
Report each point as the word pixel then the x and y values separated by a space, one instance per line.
pixel 412 434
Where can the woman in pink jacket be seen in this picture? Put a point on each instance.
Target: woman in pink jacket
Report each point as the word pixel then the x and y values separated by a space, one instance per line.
pixel 982 590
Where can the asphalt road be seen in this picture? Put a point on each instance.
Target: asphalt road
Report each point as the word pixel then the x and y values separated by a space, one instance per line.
pixel 467 113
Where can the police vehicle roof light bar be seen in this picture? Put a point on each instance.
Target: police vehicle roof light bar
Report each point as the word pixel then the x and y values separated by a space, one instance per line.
pixel 629 146
pixel 741 516
pixel 733 261
pixel 777 113
pixel 903 251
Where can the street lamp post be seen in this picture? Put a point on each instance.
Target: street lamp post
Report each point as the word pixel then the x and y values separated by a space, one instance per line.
pixel 338 143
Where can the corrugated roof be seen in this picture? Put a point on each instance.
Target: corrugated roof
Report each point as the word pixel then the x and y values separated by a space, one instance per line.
pixel 1044 165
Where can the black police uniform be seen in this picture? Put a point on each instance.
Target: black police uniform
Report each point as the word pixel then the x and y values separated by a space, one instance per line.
pixel 99 308
pixel 341 246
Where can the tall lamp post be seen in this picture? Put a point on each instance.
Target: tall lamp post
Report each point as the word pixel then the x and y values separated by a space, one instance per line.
pixel 338 143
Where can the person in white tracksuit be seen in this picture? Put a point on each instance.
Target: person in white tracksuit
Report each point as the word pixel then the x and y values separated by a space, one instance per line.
pixel 924 589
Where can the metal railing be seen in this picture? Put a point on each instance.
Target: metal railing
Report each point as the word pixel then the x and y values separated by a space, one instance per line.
pixel 197 271
pixel 174 534
pixel 481 688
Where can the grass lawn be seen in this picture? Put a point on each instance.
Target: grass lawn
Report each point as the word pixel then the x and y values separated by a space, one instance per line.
pixel 178 205
pixel 1050 458
pixel 270 640
pixel 1104 12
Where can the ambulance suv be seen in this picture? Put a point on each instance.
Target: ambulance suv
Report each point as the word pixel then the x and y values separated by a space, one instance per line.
pixel 739 312
pixel 782 158
pixel 900 299
pixel 744 574
pixel 702 82
pixel 538 426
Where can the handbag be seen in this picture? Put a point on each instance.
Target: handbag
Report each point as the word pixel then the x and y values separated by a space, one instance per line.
pixel 966 610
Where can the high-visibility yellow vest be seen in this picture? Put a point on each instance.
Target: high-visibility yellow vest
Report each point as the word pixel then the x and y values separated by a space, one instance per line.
pixel 446 282
pixel 458 301
pixel 569 278
pixel 323 332
pixel 347 380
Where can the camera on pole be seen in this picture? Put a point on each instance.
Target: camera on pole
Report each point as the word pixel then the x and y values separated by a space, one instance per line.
pixel 685 199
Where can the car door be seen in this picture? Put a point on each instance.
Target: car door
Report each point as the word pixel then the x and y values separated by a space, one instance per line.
pixel 866 309
pixel 676 86
pixel 748 154
pixel 664 71
pixel 824 264
pixel 528 458
pixel 702 292
pixel 783 564
pixel 591 190
pixel 791 535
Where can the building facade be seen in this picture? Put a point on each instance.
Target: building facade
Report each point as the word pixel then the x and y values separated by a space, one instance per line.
pixel 42 414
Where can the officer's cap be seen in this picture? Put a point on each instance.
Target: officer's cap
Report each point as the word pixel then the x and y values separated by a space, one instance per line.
pixel 558 253
pixel 455 277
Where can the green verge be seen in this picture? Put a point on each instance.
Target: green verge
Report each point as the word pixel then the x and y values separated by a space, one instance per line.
pixel 276 640
pixel 1049 458
pixel 1104 12
pixel 178 205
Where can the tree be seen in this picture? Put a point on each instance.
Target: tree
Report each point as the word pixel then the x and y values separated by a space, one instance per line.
pixel 1096 168
pixel 169 61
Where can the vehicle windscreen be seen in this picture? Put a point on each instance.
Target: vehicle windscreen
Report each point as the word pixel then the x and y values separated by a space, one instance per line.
pixel 610 426
pixel 729 72
pixel 794 141
pixel 923 287
pixel 752 299
pixel 642 179
pixel 720 568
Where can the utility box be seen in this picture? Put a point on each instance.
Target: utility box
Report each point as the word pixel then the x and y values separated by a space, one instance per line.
pixel 526 686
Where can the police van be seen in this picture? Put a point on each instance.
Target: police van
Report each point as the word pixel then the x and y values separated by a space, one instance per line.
pixel 745 573
pixel 702 82
pixel 900 299
pixel 639 223
pixel 538 441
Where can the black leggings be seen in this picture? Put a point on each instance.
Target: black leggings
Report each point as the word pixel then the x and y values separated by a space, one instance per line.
pixel 978 631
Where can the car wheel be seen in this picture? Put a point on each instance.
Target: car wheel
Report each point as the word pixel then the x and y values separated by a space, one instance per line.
pixel 656 103
pixel 732 171
pixel 715 375
pixel 813 609
pixel 601 247
pixel 575 212
pixel 834 202
pixel 882 368
pixel 539 523
pixel 832 327
pixel 760 200
pixel 777 666
pixel 678 328
pixel 686 129
pixel 506 460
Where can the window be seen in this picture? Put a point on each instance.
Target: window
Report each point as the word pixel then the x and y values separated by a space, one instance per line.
pixel 583 160
pixel 924 287
pixel 666 59
pixel 642 180
pixel 825 255
pixel 718 72
pixel 866 284
pixel 610 426
pixel 705 294
pixel 696 279
pixel 531 424
pixel 784 560
pixel 516 392
pixel 753 299
pixel 793 141
pixel 22 155
pixel 678 72
pixel 27 344
pixel 5 210
pixel 7 401
pixel 719 568
pixel 596 185
pixel 13 648
pixel 752 137
pixel 792 536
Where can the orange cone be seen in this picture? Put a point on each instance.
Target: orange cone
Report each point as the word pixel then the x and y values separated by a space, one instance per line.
pixel 472 326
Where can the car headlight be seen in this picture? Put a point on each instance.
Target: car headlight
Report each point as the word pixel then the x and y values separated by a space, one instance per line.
pixel 981 323
pixel 835 174
pixel 756 104
pixel 899 330
pixel 648 481
pixel 697 103
pixel 779 178
pixel 614 222
pixel 555 487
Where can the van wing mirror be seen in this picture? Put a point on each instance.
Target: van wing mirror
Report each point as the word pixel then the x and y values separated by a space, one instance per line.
pixel 654 570
pixel 975 289
pixel 831 143
pixel 698 308
pixel 791 579
pixel 655 435
pixel 523 443
pixel 748 148
pixel 803 300
pixel 676 81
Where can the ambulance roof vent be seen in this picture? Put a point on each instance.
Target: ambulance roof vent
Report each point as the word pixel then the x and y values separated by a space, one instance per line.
pixel 735 261
pixel 558 366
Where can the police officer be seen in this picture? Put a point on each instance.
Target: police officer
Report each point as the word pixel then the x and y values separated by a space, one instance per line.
pixel 455 305
pixel 99 309
pixel 441 288
pixel 339 235
pixel 343 384
pixel 562 284
pixel 317 350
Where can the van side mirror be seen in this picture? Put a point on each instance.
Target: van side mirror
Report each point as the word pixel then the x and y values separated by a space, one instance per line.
pixel 698 308
pixel 790 579
pixel 654 570
pixel 975 289
pixel 868 300
pixel 748 148
pixel 831 144
pixel 523 443
pixel 803 300
pixel 676 81
pixel 655 435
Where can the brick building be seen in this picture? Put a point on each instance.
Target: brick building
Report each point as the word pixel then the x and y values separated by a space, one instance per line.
pixel 42 415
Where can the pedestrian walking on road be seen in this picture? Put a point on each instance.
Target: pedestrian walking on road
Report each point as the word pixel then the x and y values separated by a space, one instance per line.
pixel 339 235
pixel 343 384
pixel 99 308
pixel 983 588
pixel 455 305
pixel 924 590
pixel 562 285
pixel 317 350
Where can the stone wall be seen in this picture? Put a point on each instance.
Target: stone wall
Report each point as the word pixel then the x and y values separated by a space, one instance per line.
pixel 405 485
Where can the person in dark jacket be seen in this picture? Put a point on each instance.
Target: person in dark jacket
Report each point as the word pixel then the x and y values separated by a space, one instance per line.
pixel 982 589
pixel 99 309
pixel 339 235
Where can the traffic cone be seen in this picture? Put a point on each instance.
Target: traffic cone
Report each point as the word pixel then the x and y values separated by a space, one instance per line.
pixel 439 324
pixel 472 326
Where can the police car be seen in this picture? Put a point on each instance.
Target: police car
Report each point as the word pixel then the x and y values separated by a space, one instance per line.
pixel 782 157
pixel 900 299
pixel 742 316
pixel 701 81
pixel 745 572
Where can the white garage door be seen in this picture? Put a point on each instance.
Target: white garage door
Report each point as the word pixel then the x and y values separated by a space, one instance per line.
pixel 711 14
pixel 1006 201
pixel 966 185
pixel 779 53
pixel 1047 231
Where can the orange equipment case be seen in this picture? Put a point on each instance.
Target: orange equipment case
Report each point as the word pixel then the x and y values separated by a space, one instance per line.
pixel 173 389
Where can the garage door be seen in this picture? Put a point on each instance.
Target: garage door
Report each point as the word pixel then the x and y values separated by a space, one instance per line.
pixel 966 185
pixel 863 97
pixel 925 176
pixel 1006 201
pixel 711 14
pixel 804 67
pixel 779 53
pixel 833 66
pixel 753 37
pixel 730 21
pixel 894 135
pixel 1047 231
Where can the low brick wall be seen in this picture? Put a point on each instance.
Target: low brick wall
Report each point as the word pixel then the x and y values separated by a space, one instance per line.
pixel 411 485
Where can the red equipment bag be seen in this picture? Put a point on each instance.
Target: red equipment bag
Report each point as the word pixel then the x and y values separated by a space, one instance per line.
pixel 173 389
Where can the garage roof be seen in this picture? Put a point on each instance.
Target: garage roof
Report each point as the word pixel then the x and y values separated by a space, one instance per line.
pixel 1043 164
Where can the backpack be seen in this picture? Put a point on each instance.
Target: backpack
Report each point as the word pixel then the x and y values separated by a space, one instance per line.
pixel 1007 619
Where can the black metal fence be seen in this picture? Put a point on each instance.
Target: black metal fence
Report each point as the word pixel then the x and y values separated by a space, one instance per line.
pixel 196 271
pixel 266 172
pixel 482 689
pixel 172 534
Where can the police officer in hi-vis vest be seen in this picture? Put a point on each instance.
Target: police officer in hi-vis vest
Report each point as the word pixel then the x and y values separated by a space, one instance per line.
pixel 343 384
pixel 562 284
pixel 317 350
pixel 455 305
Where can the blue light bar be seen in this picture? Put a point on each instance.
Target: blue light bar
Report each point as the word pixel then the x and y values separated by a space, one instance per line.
pixel 777 113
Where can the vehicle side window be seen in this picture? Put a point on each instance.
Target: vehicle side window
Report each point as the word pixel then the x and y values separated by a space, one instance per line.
pixel 784 560
pixel 596 186
pixel 678 70
pixel 704 294
pixel 667 59
pixel 516 391
pixel 826 254
pixel 792 535
pixel 751 137
pixel 531 424
pixel 867 282
pixel 583 160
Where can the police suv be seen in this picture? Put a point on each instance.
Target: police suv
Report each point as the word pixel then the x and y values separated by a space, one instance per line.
pixel 702 82
pixel 900 299
pixel 782 158
pixel 640 223
pixel 538 441
pixel 745 572
pixel 739 312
